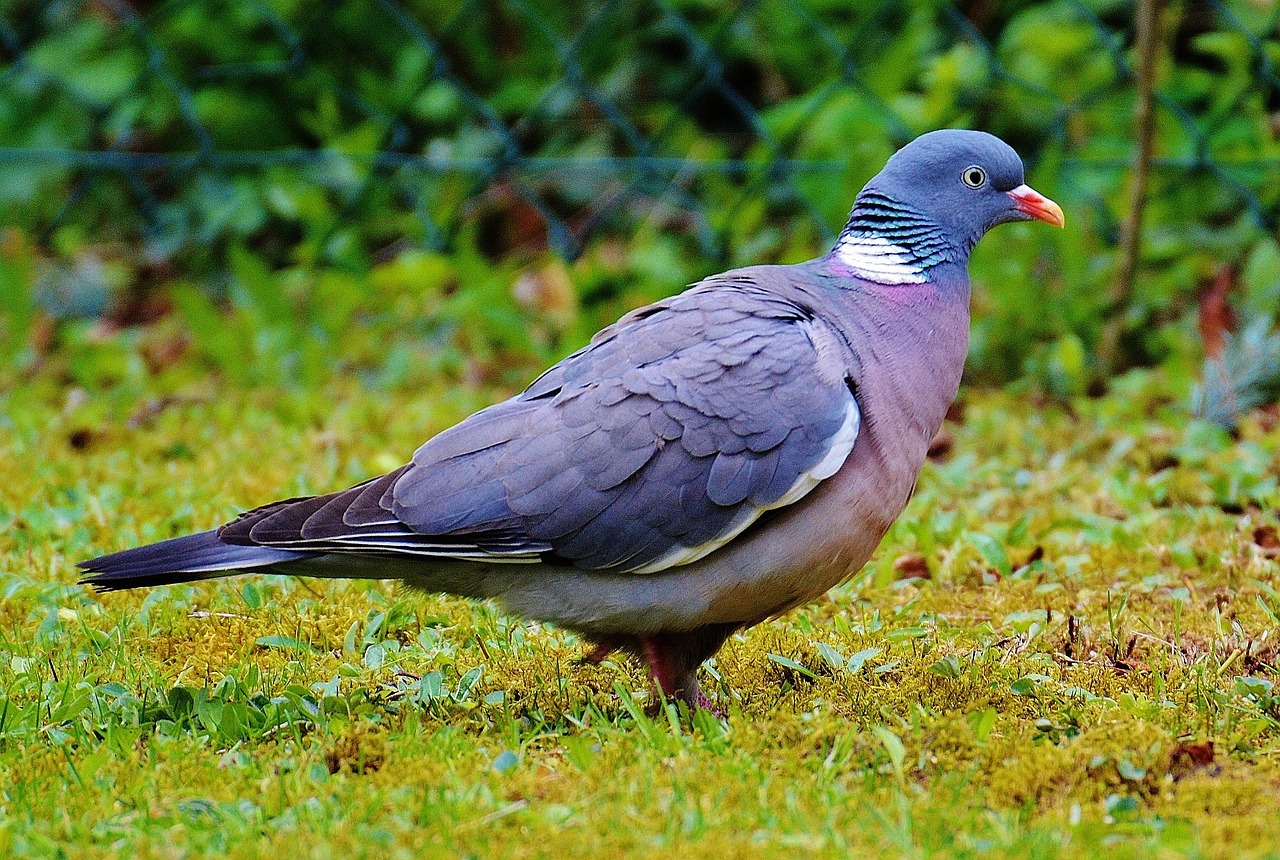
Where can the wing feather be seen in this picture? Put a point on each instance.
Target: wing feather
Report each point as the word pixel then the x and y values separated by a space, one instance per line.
pixel 655 445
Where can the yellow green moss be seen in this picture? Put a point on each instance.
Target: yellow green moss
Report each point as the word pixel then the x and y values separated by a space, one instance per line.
pixel 1087 668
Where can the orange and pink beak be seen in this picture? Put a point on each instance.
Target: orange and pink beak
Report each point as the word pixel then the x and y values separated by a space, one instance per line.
pixel 1035 205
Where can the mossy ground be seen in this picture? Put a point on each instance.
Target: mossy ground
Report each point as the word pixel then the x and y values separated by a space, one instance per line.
pixel 1088 667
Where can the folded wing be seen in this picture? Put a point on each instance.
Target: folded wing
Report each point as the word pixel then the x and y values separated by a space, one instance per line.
pixel 658 443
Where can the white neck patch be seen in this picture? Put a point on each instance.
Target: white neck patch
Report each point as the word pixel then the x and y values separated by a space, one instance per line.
pixel 879 260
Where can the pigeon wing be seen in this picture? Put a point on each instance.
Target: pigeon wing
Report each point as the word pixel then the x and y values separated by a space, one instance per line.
pixel 658 443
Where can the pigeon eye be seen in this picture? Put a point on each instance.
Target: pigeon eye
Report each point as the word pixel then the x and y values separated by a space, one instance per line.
pixel 974 176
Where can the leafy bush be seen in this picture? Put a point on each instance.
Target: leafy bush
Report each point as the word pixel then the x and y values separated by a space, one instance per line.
pixel 183 154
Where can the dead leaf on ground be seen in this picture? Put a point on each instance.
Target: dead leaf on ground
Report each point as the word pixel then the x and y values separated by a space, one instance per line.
pixel 163 353
pixel 1268 417
pixel 1268 540
pixel 941 445
pixel 1217 319
pixel 912 566
pixel 548 290
pixel 1192 758
pixel 80 438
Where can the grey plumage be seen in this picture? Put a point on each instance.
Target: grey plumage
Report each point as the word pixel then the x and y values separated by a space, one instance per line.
pixel 676 427
pixel 624 493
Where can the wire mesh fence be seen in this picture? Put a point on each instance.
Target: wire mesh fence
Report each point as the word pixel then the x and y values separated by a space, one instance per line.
pixel 348 126
pixel 149 144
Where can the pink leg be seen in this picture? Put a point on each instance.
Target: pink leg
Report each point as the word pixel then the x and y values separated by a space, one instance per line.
pixel 603 649
pixel 706 704
pixel 662 664
pixel 673 658
pixel 675 670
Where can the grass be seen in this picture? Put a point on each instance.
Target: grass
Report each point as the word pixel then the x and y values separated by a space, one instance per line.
pixel 1089 666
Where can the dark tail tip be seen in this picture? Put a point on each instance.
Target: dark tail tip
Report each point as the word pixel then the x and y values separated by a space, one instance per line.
pixel 185 559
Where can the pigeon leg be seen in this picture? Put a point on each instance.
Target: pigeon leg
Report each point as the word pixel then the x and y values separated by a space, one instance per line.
pixel 674 658
pixel 603 649
pixel 673 680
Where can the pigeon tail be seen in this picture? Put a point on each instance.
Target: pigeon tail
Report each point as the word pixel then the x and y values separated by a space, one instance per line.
pixel 184 559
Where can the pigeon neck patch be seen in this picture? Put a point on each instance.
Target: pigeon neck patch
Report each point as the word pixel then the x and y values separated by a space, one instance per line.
pixel 875 259
pixel 888 242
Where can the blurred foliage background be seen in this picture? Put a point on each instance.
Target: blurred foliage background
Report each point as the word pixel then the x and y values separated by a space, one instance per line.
pixel 281 190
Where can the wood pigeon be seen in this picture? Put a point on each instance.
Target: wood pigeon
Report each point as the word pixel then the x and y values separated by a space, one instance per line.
pixel 707 462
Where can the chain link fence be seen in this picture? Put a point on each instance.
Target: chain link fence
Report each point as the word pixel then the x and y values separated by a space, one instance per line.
pixel 177 134
pixel 189 123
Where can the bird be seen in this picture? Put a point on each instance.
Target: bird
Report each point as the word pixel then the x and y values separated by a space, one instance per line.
pixel 706 463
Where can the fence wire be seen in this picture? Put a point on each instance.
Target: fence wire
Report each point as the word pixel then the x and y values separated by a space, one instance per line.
pixel 343 130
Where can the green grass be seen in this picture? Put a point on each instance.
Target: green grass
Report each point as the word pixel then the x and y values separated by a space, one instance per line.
pixel 1099 610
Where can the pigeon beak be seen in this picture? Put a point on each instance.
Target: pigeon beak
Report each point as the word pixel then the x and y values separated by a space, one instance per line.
pixel 1035 205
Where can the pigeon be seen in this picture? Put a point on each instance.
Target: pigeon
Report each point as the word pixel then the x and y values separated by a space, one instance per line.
pixel 706 463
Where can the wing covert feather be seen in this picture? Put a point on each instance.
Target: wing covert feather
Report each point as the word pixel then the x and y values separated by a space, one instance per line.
pixel 653 446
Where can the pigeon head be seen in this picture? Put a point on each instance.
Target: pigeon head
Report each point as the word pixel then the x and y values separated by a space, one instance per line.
pixel 933 201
